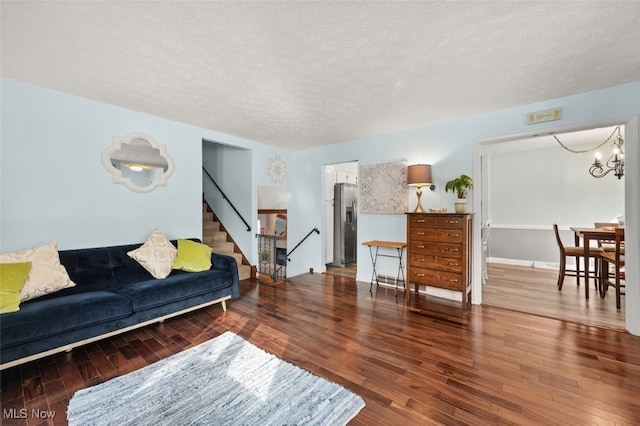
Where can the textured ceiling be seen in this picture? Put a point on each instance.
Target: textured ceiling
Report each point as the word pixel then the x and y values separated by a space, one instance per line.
pixel 303 74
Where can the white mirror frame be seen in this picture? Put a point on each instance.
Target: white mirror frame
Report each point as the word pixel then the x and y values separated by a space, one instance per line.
pixel 116 145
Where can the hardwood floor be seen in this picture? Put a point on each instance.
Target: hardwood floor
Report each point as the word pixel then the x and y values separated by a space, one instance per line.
pixel 534 290
pixel 344 271
pixel 489 366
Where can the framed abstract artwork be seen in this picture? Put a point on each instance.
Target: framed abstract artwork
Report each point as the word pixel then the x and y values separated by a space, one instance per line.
pixel 383 188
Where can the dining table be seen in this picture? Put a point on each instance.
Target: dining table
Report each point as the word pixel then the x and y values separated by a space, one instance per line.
pixel 589 234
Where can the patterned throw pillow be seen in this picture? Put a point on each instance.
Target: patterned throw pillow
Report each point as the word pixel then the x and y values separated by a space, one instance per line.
pixel 156 255
pixel 47 274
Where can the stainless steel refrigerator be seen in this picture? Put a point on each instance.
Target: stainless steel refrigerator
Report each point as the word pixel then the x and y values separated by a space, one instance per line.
pixel 345 223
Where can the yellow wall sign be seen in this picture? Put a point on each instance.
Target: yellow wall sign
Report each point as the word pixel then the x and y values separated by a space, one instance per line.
pixel 546 115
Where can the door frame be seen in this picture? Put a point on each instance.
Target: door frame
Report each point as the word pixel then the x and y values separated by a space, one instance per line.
pixel 632 205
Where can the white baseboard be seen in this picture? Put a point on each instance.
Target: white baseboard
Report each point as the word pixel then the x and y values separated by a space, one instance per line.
pixel 513 262
pixel 533 263
pixel 546 265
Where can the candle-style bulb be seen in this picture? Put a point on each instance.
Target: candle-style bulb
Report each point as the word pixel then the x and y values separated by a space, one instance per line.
pixel 597 158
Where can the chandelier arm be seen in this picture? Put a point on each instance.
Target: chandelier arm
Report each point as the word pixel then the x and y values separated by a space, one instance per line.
pixel 598 171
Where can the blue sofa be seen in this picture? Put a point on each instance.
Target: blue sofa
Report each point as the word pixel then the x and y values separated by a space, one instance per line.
pixel 113 294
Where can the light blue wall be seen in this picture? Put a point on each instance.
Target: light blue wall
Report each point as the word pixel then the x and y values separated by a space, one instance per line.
pixel 449 147
pixel 54 188
pixel 230 167
pixel 453 148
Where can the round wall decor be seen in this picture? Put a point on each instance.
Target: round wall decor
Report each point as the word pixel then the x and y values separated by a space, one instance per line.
pixel 277 170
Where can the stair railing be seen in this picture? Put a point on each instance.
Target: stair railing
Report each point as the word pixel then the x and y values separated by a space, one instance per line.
pixel 278 266
pixel 302 241
pixel 224 196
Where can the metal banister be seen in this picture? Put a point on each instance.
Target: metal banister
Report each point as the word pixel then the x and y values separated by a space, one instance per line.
pixel 227 198
pixel 302 241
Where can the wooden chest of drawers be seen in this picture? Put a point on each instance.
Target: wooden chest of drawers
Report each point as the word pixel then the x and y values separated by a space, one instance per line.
pixel 439 252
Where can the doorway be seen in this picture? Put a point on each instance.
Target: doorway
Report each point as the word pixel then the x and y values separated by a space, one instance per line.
pixel 341 212
pixel 272 245
pixel 527 184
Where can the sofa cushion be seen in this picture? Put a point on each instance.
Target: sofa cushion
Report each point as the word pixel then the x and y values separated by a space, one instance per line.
pixel 47 275
pixel 156 255
pixel 47 317
pixel 177 286
pixel 12 279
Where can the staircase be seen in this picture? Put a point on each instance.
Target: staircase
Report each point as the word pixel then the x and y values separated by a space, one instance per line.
pixel 214 235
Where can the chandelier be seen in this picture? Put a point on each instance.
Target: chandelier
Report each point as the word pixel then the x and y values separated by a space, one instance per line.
pixel 614 164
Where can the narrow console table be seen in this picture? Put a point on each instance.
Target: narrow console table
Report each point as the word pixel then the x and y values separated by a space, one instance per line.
pixel 399 249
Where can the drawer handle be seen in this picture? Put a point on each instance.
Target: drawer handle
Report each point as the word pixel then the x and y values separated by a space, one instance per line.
pixel 453 264
pixel 453 235
pixel 419 274
pixel 420 246
pixel 420 220
pixel 451 280
pixel 455 222
pixel 450 249
pixel 419 233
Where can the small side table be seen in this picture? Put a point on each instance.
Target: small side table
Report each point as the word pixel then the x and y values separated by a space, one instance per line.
pixel 399 248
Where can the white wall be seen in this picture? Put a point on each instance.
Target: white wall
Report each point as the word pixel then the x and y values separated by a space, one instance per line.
pixel 540 187
pixel 529 190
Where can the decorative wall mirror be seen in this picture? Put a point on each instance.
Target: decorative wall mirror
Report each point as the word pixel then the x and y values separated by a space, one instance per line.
pixel 138 162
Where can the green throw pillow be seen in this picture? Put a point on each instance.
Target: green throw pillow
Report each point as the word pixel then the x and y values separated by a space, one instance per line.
pixel 13 276
pixel 192 256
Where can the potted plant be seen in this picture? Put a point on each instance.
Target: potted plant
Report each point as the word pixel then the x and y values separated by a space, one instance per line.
pixel 460 185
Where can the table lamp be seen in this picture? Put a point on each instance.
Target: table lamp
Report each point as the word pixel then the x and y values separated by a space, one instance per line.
pixel 419 175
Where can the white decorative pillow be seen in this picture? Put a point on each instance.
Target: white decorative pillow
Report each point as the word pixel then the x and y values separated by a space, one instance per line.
pixel 156 255
pixel 47 274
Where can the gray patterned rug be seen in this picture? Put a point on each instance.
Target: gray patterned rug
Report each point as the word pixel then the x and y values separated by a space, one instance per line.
pixel 223 381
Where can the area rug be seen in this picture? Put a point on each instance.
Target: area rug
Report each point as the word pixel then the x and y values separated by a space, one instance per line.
pixel 224 381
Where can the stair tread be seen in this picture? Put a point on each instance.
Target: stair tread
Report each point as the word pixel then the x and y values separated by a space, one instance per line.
pixel 216 237
pixel 217 240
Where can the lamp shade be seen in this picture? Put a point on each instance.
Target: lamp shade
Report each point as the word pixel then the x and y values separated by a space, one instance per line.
pixel 419 175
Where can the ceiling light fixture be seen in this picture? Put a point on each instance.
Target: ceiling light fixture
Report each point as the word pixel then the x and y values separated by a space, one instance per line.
pixel 134 168
pixel 614 164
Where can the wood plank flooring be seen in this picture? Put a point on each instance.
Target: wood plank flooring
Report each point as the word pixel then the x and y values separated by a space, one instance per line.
pixel 534 290
pixel 489 366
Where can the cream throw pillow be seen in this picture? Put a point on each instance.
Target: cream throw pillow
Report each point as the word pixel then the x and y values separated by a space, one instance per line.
pixel 156 255
pixel 47 274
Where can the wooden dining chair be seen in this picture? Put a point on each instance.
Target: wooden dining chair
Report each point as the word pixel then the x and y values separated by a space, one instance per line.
pixel 607 245
pixel 613 259
pixel 576 252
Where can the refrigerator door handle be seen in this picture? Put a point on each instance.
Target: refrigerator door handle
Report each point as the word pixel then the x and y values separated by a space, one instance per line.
pixel 354 222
